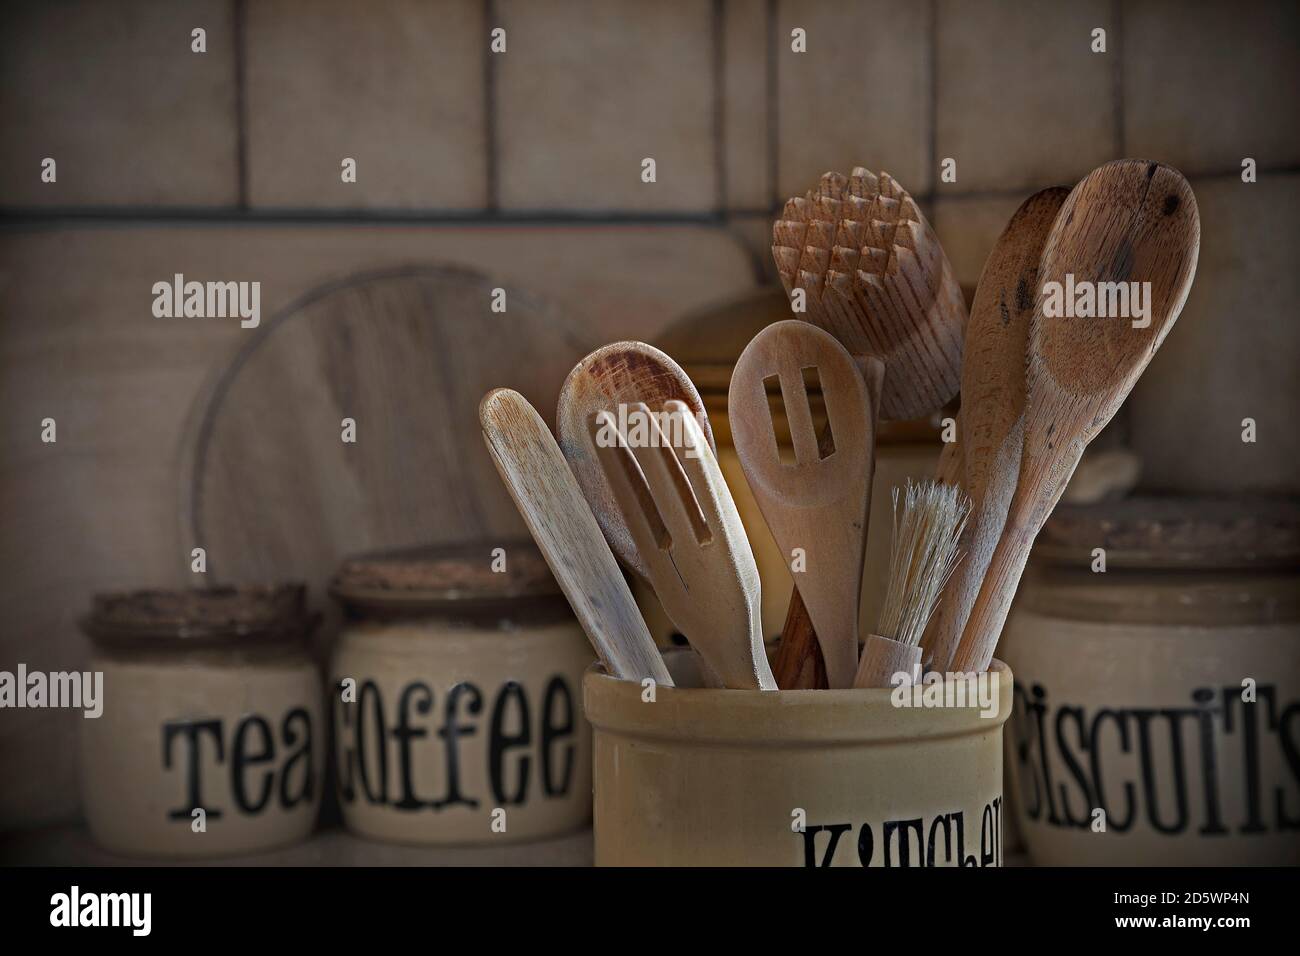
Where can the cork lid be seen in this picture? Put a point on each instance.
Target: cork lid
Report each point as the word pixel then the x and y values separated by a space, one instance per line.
pixel 450 576
pixel 1176 532
pixel 265 613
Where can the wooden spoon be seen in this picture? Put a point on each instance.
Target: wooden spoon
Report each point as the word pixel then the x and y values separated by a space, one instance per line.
pixel 548 498
pixel 819 502
pixel 1127 221
pixel 683 521
pixel 873 274
pixel 991 426
pixel 621 374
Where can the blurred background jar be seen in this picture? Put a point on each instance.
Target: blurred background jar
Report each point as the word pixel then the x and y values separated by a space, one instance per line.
pixel 211 740
pixel 1156 647
pixel 456 692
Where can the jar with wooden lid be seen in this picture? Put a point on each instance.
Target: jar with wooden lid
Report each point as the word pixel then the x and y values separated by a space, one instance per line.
pixel 211 740
pixel 1156 645
pixel 456 698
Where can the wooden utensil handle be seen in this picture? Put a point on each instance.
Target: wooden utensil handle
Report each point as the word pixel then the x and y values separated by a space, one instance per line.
pixel 1040 486
pixel 882 658
pixel 799 663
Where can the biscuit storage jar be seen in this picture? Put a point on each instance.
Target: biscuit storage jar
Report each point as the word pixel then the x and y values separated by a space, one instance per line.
pixel 455 690
pixel 1156 644
pixel 211 740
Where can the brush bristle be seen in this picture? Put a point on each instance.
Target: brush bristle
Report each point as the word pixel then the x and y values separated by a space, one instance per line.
pixel 923 554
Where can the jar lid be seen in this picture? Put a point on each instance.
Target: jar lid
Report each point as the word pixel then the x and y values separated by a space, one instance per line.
pixel 480 572
pixel 1176 532
pixel 268 613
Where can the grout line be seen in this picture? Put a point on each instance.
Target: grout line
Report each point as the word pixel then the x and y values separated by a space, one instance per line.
pixel 933 178
pixel 1117 78
pixel 490 145
pixel 11 216
pixel 241 101
pixel 397 217
pixel 773 108
pixel 720 104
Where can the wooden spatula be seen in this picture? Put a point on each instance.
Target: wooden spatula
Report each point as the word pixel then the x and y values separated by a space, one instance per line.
pixel 819 502
pixel 552 505
pixel 991 425
pixel 684 524
pixel 1127 221
pixel 873 275
pixel 621 374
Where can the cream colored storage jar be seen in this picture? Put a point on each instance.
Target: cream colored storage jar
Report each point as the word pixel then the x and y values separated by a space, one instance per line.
pixel 702 777
pixel 456 698
pixel 211 741
pixel 1157 705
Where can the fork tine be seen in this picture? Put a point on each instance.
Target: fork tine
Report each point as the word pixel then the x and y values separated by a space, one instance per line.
pixel 669 485
pixel 700 465
pixel 630 487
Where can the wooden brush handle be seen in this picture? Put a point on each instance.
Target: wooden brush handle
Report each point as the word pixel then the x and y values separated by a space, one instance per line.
pixel 882 658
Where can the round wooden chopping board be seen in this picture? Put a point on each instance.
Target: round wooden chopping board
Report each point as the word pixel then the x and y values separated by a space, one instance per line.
pixel 271 489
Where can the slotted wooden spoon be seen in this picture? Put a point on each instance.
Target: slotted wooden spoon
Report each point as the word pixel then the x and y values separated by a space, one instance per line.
pixel 552 505
pixel 684 523
pixel 991 426
pixel 1127 221
pixel 620 374
pixel 819 502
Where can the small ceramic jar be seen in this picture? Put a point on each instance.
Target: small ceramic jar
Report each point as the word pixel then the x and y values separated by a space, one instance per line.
pixel 705 777
pixel 456 698
pixel 211 741
pixel 1157 709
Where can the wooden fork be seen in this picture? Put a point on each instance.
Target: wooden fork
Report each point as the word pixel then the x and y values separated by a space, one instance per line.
pixel 685 526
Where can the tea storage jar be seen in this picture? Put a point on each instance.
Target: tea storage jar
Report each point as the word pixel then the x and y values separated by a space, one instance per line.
pixel 211 741
pixel 1156 645
pixel 456 689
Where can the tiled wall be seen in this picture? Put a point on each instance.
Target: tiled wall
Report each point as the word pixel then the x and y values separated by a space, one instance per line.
pixel 527 165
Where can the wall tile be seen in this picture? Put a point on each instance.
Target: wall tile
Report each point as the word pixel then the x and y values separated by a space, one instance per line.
pixel 1022 100
pixel 969 227
pixel 860 96
pixel 745 89
pixel 397 86
pixel 1207 84
pixel 588 88
pixel 1232 354
pixel 113 93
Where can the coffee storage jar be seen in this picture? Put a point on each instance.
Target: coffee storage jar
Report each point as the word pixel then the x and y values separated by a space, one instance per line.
pixel 1156 644
pixel 211 741
pixel 875 777
pixel 456 696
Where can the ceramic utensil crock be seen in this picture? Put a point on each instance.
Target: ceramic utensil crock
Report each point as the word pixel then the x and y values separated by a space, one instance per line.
pixel 455 692
pixel 795 778
pixel 211 740
pixel 1157 702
